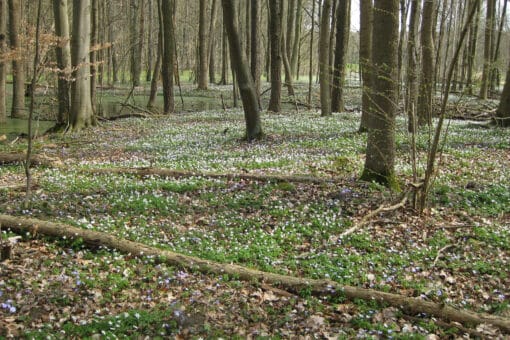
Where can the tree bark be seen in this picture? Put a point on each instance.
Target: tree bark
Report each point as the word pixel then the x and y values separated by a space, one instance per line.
pixel 63 53
pixel 275 31
pixel 203 74
pixel 487 49
pixel 244 79
pixel 310 62
pixel 503 112
pixel 365 57
pixel 18 65
pixel 473 38
pixel 380 153
pixel 81 115
pixel 255 53
pixel 343 28
pixel 292 284
pixel 167 22
pixel 136 53
pixel 411 96
pixel 294 56
pixel 94 40
pixel 324 74
pixel 212 42
pixel 425 97
pixel 284 51
pixel 157 67
pixel 3 68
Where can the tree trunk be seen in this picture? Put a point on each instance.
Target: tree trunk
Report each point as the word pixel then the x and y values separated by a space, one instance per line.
pixel 3 68
pixel 255 53
pixel 81 115
pixel 310 65
pixel 292 284
pixel 495 76
pixel 275 31
pixel 157 67
pixel 380 153
pixel 365 57
pixel 167 22
pixel 473 38
pixel 503 112
pixel 487 49
pixel 63 53
pixel 324 74
pixel 425 96
pixel 212 42
pixel 202 47
pixel 343 29
pixel 284 50
pixel 113 47
pixel 150 45
pixel 244 79
pixel 94 40
pixel 411 95
pixel 224 58
pixel 403 20
pixel 136 53
pixel 294 56
pixel 18 65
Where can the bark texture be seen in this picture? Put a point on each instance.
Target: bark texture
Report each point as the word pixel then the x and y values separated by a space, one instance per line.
pixel 424 109
pixel 275 32
pixel 324 74
pixel 18 65
pixel 503 112
pixel 244 79
pixel 3 70
pixel 343 28
pixel 167 21
pixel 202 47
pixel 380 153
pixel 292 284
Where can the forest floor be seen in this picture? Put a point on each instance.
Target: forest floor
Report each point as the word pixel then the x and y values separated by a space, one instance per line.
pixel 457 252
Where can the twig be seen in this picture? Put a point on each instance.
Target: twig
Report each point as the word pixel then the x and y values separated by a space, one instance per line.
pixel 440 253
pixel 382 208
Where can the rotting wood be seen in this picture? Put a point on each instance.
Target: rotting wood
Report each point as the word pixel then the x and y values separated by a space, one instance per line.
pixel 409 305
pixel 186 174
pixel 12 158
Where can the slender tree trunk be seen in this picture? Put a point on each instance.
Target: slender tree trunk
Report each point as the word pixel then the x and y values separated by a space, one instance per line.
pixel 255 53
pixel 289 26
pixel 202 47
pixel 365 57
pixel 63 52
pixel 343 29
pixel 94 40
pixel 18 65
pixel 487 48
pixel 167 21
pixel 503 112
pixel 403 20
pixel 150 45
pixel 212 42
pixel 275 19
pixel 113 48
pixel 425 97
pixel 157 67
pixel 380 154
pixel 310 66
pixel 81 115
pixel 473 38
pixel 224 58
pixel 411 88
pixel 284 51
pixel 136 53
pixel 297 39
pixel 324 75
pixel 495 71
pixel 245 81
pixel 3 68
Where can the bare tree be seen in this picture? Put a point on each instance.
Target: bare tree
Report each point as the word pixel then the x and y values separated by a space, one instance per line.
pixel 202 47
pixel 18 67
pixel 81 115
pixel 324 74
pixel 380 154
pixel 275 31
pixel 3 71
pixel 240 66
pixel 365 57
pixel 503 112
pixel 343 30
pixel 488 48
pixel 168 44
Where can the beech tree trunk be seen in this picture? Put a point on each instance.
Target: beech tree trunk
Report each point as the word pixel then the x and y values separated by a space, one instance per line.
pixel 3 49
pixel 487 49
pixel 212 42
pixel 167 69
pixel 18 65
pixel 365 57
pixel 243 76
pixel 292 284
pixel 503 112
pixel 136 53
pixel 380 153
pixel 285 48
pixel 94 40
pixel 324 74
pixel 255 53
pixel 81 115
pixel 275 32
pixel 425 97
pixel 203 74
pixel 343 28
pixel 411 95
pixel 63 53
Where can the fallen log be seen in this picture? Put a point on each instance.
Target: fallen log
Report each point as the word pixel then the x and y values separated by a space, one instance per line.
pixel 409 305
pixel 19 157
pixel 188 174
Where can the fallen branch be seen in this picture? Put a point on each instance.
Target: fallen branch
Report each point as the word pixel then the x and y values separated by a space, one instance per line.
pixel 288 283
pixel 187 174
pixel 13 158
pixel 367 217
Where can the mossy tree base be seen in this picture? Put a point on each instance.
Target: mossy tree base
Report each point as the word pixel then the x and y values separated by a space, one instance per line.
pixel 388 180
